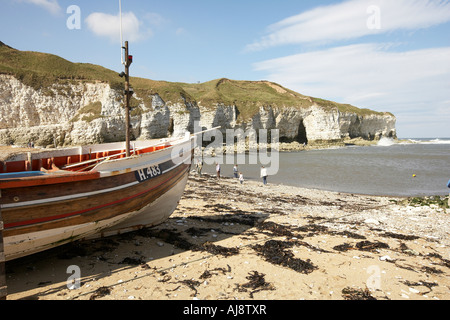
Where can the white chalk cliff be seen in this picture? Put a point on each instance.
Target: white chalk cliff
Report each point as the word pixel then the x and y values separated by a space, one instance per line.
pixel 84 113
pixel 54 102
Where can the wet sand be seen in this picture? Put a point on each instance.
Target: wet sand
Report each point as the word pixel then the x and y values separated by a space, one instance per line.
pixel 228 241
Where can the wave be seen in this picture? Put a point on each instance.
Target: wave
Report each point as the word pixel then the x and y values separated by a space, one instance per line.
pixel 427 141
pixel 386 142
pixel 440 141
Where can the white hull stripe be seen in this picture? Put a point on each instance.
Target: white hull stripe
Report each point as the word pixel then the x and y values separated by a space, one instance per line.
pixel 72 196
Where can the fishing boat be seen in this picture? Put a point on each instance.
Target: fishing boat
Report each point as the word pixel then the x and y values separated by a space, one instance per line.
pixel 50 198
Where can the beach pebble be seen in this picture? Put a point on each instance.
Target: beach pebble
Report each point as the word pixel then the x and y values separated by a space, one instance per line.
pixel 386 258
pixel 371 221
pixel 160 244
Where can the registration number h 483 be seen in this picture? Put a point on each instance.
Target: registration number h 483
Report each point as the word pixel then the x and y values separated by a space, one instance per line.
pixel 148 173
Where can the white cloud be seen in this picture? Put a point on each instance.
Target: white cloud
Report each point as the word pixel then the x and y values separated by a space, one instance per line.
pixel 365 74
pixel 50 5
pixel 107 25
pixel 411 84
pixel 350 19
pixel 369 75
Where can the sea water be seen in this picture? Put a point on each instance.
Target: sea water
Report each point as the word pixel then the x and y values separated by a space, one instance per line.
pixel 414 167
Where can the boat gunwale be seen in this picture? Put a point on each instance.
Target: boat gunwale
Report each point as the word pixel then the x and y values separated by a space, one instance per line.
pixel 67 176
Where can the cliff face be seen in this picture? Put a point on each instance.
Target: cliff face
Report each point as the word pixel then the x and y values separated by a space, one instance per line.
pixel 91 112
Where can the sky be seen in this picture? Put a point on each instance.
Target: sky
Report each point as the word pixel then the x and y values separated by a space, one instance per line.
pixel 385 55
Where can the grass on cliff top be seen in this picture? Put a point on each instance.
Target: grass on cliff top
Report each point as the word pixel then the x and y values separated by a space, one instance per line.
pixel 347 108
pixel 42 70
pixel 247 96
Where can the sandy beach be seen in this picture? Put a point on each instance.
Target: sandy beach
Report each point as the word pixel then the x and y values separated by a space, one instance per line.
pixel 228 241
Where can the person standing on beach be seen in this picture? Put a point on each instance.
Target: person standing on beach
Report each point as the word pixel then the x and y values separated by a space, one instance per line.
pixel 235 171
pixel 264 175
pixel 448 185
pixel 241 178
pixel 199 167
pixel 218 170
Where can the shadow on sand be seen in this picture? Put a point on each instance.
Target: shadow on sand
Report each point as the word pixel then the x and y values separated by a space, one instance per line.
pixel 103 257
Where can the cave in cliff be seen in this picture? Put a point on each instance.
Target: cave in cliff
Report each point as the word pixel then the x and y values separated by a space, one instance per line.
pixel 302 137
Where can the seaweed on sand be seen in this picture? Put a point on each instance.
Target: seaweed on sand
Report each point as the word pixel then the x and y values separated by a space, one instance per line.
pixel 356 294
pixel 343 247
pixel 209 273
pixel 276 229
pixel 362 246
pixel 275 252
pixel 215 249
pixel 237 218
pixel 100 293
pixel 257 282
pixel 400 236
pixel 192 284
pixel 371 246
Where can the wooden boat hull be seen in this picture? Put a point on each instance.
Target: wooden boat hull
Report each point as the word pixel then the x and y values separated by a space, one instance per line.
pixel 151 215
pixel 120 195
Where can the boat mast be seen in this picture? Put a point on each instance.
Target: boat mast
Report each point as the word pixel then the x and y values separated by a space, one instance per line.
pixel 128 91
pixel 128 94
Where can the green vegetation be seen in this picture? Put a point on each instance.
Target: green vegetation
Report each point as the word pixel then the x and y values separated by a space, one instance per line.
pixel 89 112
pixel 247 96
pixel 41 71
pixel 347 108
pixel 437 201
pixel 433 201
